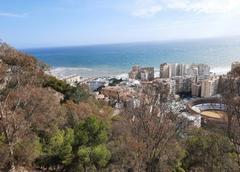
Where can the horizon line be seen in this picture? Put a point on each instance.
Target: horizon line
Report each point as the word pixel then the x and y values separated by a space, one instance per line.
pixel 131 42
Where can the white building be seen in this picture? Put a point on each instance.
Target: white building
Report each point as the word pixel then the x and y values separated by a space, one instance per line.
pixel 165 70
pixel 178 84
pixel 147 73
pixel 173 70
pixel 134 73
pixel 182 84
pixel 209 87
pixel 192 70
pixel 194 120
pixel 181 69
pixel 95 84
pixel 73 79
pixel 203 69
pixel 169 84
pixel 196 89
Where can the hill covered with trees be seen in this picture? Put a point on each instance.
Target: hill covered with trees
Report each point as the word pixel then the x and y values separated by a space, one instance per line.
pixel 48 125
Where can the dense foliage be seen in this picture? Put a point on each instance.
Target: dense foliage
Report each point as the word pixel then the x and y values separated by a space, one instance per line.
pixel 80 148
pixel 207 151
pixel 76 94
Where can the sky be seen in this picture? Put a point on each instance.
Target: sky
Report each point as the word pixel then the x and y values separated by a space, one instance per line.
pixel 50 23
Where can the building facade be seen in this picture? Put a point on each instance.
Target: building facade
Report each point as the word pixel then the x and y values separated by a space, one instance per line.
pixel 135 72
pixel 147 74
pixel 203 69
pixel 165 70
pixel 209 87
pixel 196 89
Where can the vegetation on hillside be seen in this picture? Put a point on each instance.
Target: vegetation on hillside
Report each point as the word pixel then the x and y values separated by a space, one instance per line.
pixel 48 125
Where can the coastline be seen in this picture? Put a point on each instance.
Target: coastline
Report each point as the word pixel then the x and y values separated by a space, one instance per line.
pixel 62 72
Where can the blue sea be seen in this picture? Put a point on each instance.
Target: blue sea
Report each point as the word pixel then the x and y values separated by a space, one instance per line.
pixel 114 59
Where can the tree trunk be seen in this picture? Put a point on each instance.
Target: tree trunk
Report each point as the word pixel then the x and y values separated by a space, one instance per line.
pixel 229 122
pixel 13 168
pixel 152 165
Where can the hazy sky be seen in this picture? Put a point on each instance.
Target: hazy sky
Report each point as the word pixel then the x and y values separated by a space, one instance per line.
pixel 42 23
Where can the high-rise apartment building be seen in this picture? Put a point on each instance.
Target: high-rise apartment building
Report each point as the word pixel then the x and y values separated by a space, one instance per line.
pixel 147 73
pixel 209 87
pixel 165 70
pixel 203 69
pixel 196 89
pixel 135 73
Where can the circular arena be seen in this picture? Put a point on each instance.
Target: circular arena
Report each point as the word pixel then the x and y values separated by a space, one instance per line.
pixel 212 110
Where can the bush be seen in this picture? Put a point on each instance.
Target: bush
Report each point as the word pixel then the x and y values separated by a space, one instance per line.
pixel 76 94
pixel 209 151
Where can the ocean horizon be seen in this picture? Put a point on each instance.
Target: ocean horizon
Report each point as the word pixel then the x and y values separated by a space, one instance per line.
pixel 116 59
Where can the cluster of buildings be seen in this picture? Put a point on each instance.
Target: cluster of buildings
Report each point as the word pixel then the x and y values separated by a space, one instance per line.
pixel 117 92
pixel 194 79
pixel 72 79
pixel 173 70
pixel 174 79
pixel 143 74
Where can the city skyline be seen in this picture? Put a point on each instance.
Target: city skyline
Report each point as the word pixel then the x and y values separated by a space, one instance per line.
pixel 27 24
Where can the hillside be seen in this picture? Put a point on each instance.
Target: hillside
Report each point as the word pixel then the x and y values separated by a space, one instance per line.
pixel 48 125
